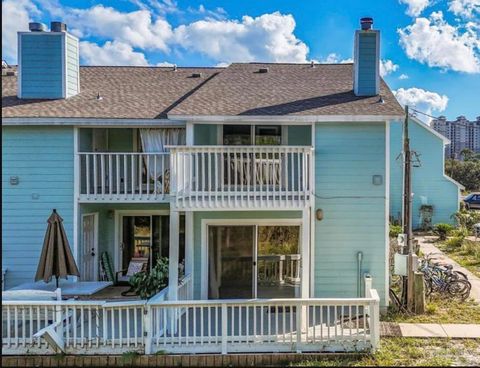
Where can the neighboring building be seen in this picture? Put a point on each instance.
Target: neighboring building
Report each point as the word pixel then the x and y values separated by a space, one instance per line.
pixel 200 165
pixel 430 185
pixel 462 133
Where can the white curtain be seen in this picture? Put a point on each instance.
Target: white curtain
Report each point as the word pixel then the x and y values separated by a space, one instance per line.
pixel 156 140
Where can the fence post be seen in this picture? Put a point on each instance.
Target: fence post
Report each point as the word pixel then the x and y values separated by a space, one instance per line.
pixel 224 328
pixel 419 285
pixel 375 322
pixel 368 285
pixel 148 328
pixel 59 314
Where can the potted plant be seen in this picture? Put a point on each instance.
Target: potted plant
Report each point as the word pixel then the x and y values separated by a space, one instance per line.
pixel 146 284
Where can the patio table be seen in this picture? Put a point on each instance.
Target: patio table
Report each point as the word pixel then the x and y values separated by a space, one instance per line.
pixel 69 289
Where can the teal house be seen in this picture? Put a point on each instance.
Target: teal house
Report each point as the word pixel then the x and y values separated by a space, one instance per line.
pixel 268 187
pixel 432 188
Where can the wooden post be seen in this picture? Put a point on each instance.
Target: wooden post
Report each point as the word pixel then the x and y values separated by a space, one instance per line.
pixel 408 292
pixel 419 293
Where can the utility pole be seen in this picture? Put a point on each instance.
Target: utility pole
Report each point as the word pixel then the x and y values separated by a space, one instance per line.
pixel 408 283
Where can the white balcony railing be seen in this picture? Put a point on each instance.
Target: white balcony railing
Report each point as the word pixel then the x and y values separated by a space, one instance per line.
pixel 124 176
pixel 241 176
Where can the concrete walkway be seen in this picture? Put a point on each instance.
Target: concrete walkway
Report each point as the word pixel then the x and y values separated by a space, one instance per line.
pixel 427 246
pixel 447 330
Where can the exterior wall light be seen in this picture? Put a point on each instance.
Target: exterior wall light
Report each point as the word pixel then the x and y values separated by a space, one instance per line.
pixel 319 214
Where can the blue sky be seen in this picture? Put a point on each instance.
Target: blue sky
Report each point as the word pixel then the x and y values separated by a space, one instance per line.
pixel 430 49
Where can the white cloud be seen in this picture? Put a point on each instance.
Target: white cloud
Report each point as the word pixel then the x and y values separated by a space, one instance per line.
pixel 334 58
pixel 136 28
pixel 436 43
pixel 16 14
pixel 268 37
pixel 165 64
pixel 464 8
pixel 111 53
pixel 403 76
pixel 415 7
pixel 387 67
pixel 425 101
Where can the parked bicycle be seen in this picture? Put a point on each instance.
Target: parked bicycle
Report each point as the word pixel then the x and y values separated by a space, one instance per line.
pixel 443 279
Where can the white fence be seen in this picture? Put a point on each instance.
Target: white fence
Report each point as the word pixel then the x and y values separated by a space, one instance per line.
pixel 189 326
pixel 278 325
pixel 128 176
pixel 241 176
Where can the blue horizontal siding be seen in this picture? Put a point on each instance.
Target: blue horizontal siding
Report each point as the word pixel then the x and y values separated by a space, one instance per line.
pixel 346 158
pixel 429 184
pixel 42 158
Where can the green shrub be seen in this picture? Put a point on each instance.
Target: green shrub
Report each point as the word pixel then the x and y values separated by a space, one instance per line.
pixel 442 230
pixel 466 219
pixel 472 248
pixel 454 242
pixel 147 284
pixel 395 230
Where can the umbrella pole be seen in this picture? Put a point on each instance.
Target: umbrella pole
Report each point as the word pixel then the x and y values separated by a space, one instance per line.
pixel 56 278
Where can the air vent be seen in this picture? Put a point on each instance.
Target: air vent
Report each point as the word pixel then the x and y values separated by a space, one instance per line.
pixel 37 27
pixel 263 70
pixel 58 27
pixel 196 75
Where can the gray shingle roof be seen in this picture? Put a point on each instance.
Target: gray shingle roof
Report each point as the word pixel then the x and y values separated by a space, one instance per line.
pixel 127 92
pixel 154 92
pixel 286 89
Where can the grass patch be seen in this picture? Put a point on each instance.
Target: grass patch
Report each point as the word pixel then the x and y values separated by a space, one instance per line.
pixel 404 351
pixel 440 310
pixel 466 254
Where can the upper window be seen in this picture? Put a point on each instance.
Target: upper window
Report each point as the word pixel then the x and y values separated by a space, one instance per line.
pixel 268 135
pixel 244 135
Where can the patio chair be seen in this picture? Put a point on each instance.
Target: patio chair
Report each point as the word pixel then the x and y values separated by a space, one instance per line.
pixel 136 265
pixel 106 268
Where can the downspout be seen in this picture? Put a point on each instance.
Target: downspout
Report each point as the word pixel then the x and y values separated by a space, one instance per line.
pixel 359 273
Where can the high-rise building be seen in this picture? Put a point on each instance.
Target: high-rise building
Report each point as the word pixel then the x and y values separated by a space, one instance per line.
pixel 462 133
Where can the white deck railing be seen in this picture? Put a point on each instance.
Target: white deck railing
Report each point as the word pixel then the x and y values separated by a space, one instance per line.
pixel 241 176
pixel 128 176
pixel 189 326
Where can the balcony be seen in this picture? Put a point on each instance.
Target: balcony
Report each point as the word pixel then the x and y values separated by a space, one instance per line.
pixel 201 177
pixel 124 177
pixel 241 177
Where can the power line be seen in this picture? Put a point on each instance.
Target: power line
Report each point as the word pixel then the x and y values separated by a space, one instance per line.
pixel 424 113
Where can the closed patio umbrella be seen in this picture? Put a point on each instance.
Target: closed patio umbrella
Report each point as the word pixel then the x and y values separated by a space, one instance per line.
pixel 56 258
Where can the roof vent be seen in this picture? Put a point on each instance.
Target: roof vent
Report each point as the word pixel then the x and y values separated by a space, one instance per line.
pixel 196 75
pixel 366 23
pixel 312 64
pixel 263 70
pixel 174 67
pixel 37 27
pixel 58 27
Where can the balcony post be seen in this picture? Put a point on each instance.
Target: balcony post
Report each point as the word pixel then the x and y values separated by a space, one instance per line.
pixel 173 256
pixel 189 248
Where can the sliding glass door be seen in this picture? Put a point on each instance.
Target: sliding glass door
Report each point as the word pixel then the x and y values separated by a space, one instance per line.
pixel 253 262
pixel 230 259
